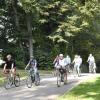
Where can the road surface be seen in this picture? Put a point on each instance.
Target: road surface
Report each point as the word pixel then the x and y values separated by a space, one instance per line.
pixel 48 89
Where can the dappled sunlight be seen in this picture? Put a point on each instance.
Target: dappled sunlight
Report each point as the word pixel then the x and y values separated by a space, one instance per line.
pixel 23 94
pixel 49 79
pixel 92 93
pixel 89 90
pixel 48 90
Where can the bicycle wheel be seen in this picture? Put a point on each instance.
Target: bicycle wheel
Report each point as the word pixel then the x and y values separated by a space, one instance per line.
pixel 37 79
pixel 17 80
pixel 58 79
pixel 7 83
pixel 29 82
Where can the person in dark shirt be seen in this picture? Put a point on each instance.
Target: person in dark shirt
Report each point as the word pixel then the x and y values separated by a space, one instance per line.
pixel 32 64
pixel 9 65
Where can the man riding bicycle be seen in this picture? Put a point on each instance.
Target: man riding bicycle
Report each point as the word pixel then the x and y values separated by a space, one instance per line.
pixel 68 62
pixel 9 66
pixel 61 67
pixel 32 66
pixel 77 63
pixel 92 64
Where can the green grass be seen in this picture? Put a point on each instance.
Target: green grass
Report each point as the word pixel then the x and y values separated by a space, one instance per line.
pixel 88 90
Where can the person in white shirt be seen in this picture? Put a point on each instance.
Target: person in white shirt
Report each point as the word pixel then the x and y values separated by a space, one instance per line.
pixel 62 67
pixel 68 62
pixel 77 63
pixel 92 64
pixel 61 62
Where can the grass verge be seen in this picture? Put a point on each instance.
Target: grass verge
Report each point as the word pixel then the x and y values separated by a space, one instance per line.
pixel 88 90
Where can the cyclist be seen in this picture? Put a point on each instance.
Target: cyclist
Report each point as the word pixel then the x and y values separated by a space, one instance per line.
pixel 68 62
pixel 77 62
pixel 62 67
pixel 32 66
pixel 9 65
pixel 92 64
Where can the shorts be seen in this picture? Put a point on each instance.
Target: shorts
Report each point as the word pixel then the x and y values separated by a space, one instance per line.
pixel 7 70
pixel 62 71
pixel 59 67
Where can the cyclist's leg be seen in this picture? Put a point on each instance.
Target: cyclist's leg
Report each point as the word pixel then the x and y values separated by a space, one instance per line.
pixel 36 73
pixel 75 70
pixel 78 70
pixel 94 71
pixel 68 68
pixel 13 71
pixel 55 69
pixel 65 76
pixel 90 67
pixel 6 73
pixel 32 74
pixel 94 68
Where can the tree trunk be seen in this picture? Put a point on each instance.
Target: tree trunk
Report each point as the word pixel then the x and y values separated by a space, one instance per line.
pixel 14 6
pixel 17 24
pixel 29 27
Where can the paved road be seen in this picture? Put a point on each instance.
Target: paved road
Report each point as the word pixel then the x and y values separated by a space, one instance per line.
pixel 48 89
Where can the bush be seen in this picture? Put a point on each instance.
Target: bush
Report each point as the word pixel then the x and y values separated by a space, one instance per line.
pixel 20 65
pixel 84 68
pixel 44 60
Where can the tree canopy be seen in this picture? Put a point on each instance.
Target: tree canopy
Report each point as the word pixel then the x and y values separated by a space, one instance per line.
pixel 45 28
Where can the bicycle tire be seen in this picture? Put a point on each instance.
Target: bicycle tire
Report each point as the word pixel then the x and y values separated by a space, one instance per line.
pixel 17 81
pixel 7 83
pixel 37 79
pixel 29 82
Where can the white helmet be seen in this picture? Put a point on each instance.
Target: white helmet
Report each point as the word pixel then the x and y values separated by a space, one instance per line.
pixel 61 55
pixel 76 56
pixel 8 56
pixel 90 54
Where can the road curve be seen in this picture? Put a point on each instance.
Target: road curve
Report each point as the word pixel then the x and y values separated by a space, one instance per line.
pixel 48 89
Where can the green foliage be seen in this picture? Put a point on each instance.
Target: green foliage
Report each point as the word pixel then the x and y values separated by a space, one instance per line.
pixel 58 26
pixel 20 64
pixel 44 60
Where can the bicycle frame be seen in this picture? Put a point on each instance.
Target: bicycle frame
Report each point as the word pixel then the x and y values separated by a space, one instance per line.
pixel 11 80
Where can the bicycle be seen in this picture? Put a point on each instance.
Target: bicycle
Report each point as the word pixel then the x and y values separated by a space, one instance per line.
pixel 11 80
pixel 61 74
pixel 32 78
pixel 92 68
